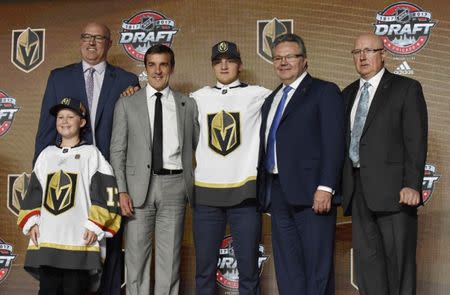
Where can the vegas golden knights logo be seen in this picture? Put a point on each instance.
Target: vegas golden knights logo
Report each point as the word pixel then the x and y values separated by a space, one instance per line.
pixel 224 134
pixel 267 32
pixel 17 189
pixel 27 51
pixel 60 193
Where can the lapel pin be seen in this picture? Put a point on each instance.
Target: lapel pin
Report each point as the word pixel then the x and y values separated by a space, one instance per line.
pixel 77 156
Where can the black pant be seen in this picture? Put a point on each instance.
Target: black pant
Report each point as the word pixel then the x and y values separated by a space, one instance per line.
pixel 57 281
pixel 384 245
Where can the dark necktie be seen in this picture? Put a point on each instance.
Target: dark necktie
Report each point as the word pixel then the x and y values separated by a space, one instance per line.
pixel 270 150
pixel 157 150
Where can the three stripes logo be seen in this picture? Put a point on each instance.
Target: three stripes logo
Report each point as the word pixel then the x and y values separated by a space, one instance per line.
pixel 404 69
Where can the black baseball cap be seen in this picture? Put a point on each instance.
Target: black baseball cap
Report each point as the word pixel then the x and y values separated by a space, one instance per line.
pixel 225 49
pixel 71 104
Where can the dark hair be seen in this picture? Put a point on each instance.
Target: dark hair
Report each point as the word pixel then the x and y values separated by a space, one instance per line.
pixel 160 48
pixel 289 37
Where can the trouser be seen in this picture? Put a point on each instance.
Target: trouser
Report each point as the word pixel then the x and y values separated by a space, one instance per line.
pixel 57 281
pixel 303 246
pixel 384 247
pixel 209 230
pixel 161 216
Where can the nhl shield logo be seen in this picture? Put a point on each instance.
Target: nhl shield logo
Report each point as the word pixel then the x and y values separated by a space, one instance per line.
pixel 267 31
pixel 27 50
pixel 17 189
pixel 6 259
pixel 60 192
pixel 224 134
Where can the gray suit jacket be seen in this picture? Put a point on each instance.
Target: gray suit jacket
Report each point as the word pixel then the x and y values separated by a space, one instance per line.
pixel 131 143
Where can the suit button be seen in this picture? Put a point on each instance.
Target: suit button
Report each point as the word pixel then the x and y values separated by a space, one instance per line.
pixel 148 166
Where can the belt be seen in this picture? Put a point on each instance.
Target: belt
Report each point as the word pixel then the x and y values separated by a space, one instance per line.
pixel 167 172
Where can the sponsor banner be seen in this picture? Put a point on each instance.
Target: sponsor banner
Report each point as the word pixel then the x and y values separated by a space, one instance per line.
pixel 267 31
pixel 404 27
pixel 8 110
pixel 6 259
pixel 27 48
pixel 227 275
pixel 145 29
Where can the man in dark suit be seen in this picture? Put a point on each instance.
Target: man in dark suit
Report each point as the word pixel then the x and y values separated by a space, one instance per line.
pixel 386 134
pixel 300 162
pixel 98 85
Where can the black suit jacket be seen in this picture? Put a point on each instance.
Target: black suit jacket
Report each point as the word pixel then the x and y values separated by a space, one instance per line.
pixel 393 144
pixel 310 143
pixel 69 82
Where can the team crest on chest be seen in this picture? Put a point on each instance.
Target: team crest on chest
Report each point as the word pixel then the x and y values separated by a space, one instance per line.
pixel 60 194
pixel 224 132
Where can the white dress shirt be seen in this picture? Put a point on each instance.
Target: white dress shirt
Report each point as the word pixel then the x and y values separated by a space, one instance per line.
pixel 99 75
pixel 171 144
pixel 374 82
pixel 271 115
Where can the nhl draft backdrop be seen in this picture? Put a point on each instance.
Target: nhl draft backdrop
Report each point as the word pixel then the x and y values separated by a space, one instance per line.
pixel 37 36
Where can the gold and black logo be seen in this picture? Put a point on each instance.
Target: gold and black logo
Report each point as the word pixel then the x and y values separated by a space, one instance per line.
pixel 17 189
pixel 223 47
pixel 224 134
pixel 60 193
pixel 27 48
pixel 267 32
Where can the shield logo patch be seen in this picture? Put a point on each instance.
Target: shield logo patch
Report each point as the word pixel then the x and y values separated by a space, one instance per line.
pixel 224 134
pixel 27 49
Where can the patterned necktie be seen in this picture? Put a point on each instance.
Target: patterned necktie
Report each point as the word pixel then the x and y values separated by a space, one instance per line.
pixel 358 124
pixel 157 149
pixel 90 87
pixel 270 149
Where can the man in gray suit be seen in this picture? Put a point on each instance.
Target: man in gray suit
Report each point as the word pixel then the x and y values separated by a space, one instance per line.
pixel 155 132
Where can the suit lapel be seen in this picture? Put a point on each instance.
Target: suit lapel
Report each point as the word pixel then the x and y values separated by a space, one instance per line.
pixel 379 99
pixel 142 113
pixel 348 110
pixel 107 85
pixel 78 78
pixel 180 106
pixel 296 98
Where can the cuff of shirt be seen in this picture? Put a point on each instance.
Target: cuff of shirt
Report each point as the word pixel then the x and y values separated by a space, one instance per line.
pixel 326 189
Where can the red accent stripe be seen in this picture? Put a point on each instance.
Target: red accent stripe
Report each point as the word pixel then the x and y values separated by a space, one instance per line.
pixel 26 217
pixel 104 228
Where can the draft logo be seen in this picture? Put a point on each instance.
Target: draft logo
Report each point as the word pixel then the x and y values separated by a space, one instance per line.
pixel 404 27
pixel 145 29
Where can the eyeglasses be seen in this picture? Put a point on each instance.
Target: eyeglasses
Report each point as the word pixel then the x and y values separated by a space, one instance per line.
pixel 97 38
pixel 366 51
pixel 288 58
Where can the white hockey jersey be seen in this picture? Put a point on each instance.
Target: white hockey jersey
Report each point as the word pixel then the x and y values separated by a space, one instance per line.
pixel 227 151
pixel 70 190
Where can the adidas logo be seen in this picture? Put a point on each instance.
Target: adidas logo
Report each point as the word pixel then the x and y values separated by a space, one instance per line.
pixel 404 69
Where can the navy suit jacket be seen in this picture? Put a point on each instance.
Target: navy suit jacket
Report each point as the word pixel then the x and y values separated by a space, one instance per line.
pixel 310 143
pixel 69 82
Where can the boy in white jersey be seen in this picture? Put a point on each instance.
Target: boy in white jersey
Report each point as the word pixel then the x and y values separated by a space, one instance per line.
pixel 225 187
pixel 70 206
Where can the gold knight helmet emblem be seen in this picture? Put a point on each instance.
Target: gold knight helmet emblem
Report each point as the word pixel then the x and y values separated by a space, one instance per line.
pixel 224 132
pixel 270 32
pixel 28 47
pixel 18 192
pixel 60 195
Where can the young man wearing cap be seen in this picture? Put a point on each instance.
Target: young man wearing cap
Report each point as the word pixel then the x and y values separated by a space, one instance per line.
pixel 225 186
pixel 70 206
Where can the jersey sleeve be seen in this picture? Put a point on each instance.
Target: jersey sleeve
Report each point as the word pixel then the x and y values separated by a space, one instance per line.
pixel 104 210
pixel 30 210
